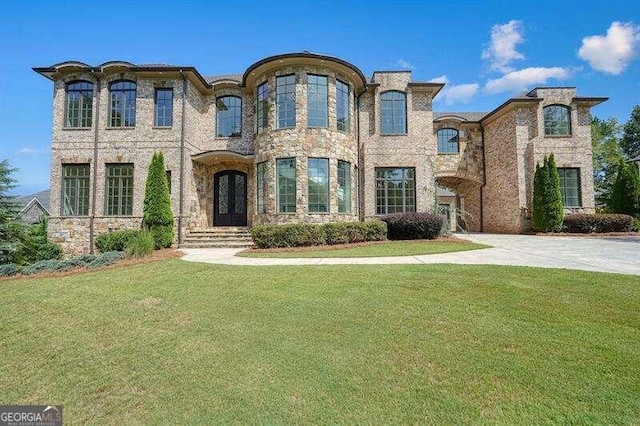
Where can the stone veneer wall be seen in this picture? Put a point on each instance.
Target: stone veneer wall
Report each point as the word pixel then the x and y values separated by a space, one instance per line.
pixel 115 145
pixel 301 142
pixel 501 209
pixel 416 149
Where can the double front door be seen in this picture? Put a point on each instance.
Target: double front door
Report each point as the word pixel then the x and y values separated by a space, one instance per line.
pixel 230 198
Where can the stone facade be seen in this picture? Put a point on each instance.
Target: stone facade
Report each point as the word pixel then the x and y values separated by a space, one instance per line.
pixel 491 174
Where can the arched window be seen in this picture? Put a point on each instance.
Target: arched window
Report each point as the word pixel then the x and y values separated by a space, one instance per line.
pixel 448 141
pixel 229 116
pixel 79 104
pixel 122 104
pixel 393 113
pixel 557 120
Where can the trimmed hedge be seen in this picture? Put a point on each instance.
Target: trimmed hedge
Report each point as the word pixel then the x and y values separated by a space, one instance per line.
pixel 308 234
pixel 413 226
pixel 116 240
pixel 588 223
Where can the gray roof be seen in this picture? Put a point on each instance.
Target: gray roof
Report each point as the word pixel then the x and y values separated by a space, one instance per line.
pixel 468 116
pixel 156 65
pixel 42 196
pixel 212 78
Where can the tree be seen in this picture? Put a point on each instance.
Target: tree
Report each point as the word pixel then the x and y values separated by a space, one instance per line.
pixel 625 193
pixel 12 229
pixel 548 211
pixel 631 135
pixel 605 142
pixel 157 214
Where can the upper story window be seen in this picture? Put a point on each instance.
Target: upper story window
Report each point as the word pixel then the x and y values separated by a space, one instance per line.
pixel 342 106
pixel 393 113
pixel 317 101
pixel 448 141
pixel 79 104
pixel 286 101
pixel 164 107
pixel 229 116
pixel 262 107
pixel 557 120
pixel 122 100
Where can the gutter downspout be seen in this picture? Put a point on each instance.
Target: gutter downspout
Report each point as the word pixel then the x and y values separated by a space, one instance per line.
pixel 182 132
pixel 95 168
pixel 360 176
pixel 484 182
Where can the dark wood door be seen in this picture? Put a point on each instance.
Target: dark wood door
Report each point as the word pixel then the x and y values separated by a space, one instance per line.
pixel 230 198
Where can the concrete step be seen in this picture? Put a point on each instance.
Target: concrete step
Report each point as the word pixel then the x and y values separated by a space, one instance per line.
pixel 217 244
pixel 220 229
pixel 214 239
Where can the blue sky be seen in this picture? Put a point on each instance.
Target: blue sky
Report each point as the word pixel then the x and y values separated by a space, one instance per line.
pixel 486 51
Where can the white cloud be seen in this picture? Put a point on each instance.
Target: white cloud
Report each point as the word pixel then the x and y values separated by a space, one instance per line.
pixel 611 53
pixel 525 78
pixel 403 64
pixel 502 49
pixel 451 93
pixel 31 151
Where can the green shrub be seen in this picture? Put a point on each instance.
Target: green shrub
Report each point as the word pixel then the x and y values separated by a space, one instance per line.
pixel 158 217
pixel 413 226
pixel 106 258
pixel 8 270
pixel 307 234
pixel 116 240
pixel 625 193
pixel 548 211
pixel 36 247
pixel 48 265
pixel 141 246
pixel 588 223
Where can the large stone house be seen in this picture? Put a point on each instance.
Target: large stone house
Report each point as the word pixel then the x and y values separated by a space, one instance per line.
pixel 299 137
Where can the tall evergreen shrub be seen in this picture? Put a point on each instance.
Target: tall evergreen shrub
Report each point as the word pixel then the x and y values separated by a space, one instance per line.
pixel 158 217
pixel 625 192
pixel 548 211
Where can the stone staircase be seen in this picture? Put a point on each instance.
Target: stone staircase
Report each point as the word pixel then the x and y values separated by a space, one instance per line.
pixel 218 237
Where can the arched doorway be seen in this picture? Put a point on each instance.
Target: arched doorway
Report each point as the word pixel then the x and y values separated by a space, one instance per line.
pixel 230 198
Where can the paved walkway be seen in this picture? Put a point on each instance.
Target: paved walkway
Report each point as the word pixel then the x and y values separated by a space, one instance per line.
pixel 604 254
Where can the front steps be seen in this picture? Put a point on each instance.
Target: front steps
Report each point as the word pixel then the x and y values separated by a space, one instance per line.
pixel 218 237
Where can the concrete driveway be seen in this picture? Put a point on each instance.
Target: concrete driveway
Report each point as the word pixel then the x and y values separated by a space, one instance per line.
pixel 603 254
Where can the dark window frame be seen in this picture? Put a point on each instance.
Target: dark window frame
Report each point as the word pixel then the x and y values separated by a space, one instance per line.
pixel 562 173
pixel 78 183
pixel 262 107
pixel 161 120
pixel 84 118
pixel 233 121
pixel 442 144
pixel 551 126
pixel 383 191
pixel 127 107
pixel 289 121
pixel 344 181
pixel 261 187
pixel 341 97
pixel 315 106
pixel 393 111
pixel 289 208
pixel 120 207
pixel 318 207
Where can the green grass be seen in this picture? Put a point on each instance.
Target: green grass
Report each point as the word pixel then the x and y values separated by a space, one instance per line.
pixel 175 342
pixel 378 249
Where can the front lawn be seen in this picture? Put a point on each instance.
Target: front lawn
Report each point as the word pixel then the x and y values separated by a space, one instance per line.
pixel 372 249
pixel 178 342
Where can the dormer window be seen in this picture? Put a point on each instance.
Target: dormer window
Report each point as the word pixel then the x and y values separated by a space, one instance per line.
pixel 393 113
pixel 229 116
pixel 557 120
pixel 122 100
pixel 79 104
pixel 448 141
